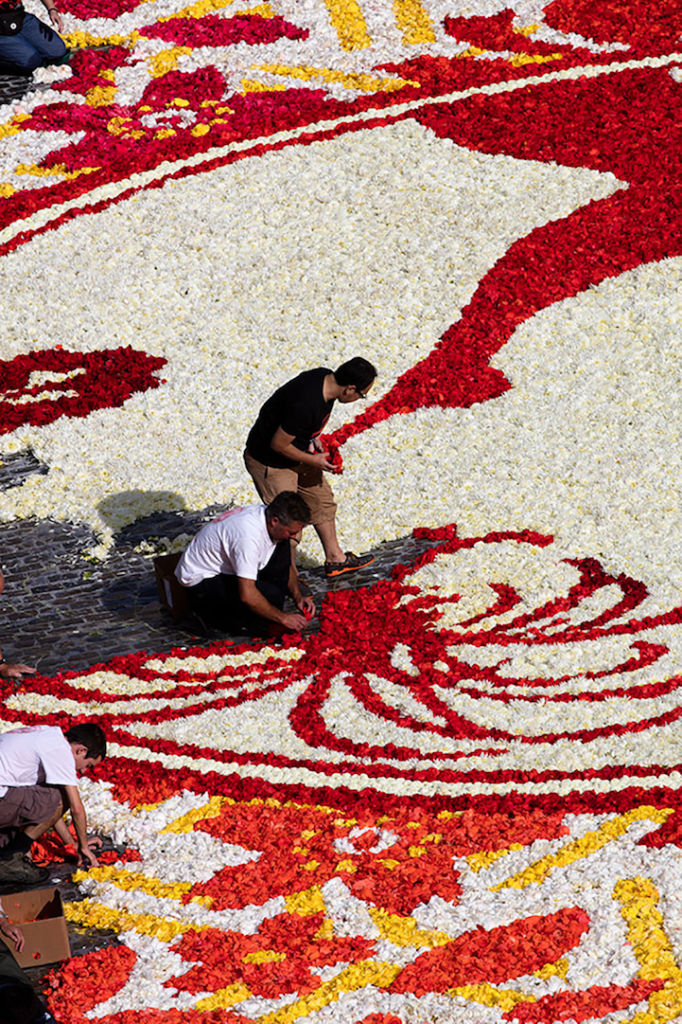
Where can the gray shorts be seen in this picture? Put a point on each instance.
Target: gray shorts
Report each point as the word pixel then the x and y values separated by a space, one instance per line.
pixel 22 806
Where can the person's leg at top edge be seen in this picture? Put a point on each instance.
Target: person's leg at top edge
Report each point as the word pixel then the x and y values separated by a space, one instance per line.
pixel 47 43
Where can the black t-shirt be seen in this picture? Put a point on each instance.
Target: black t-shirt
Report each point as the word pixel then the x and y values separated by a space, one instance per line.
pixel 299 408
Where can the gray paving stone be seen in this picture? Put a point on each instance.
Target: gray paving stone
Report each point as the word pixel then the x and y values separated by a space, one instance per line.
pixel 13 87
pixel 16 468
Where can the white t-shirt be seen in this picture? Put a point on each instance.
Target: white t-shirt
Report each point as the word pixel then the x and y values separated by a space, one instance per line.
pixel 36 755
pixel 236 543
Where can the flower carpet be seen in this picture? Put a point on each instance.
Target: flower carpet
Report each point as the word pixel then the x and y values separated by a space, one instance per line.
pixel 459 799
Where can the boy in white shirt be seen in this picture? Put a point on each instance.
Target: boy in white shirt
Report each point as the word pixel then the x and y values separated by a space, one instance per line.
pixel 39 768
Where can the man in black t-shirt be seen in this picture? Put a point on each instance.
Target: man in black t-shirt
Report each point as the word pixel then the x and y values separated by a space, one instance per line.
pixel 284 453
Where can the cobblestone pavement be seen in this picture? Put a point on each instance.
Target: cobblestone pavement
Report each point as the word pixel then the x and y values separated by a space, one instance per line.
pixel 13 87
pixel 15 469
pixel 61 611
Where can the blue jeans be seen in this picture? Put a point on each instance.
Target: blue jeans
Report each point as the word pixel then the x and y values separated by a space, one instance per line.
pixel 37 44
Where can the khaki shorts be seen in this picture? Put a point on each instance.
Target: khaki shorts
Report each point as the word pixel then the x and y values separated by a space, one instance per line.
pixel 307 481
pixel 22 806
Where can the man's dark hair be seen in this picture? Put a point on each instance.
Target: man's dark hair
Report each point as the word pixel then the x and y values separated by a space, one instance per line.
pixel 289 507
pixel 357 372
pixel 89 736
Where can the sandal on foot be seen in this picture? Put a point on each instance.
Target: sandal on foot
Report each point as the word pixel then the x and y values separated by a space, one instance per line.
pixel 352 564
pixel 19 869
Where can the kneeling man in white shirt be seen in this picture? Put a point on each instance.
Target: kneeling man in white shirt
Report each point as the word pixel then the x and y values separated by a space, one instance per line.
pixel 39 768
pixel 238 569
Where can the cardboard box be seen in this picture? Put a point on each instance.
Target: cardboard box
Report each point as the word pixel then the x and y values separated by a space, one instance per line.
pixel 40 915
pixel 172 595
